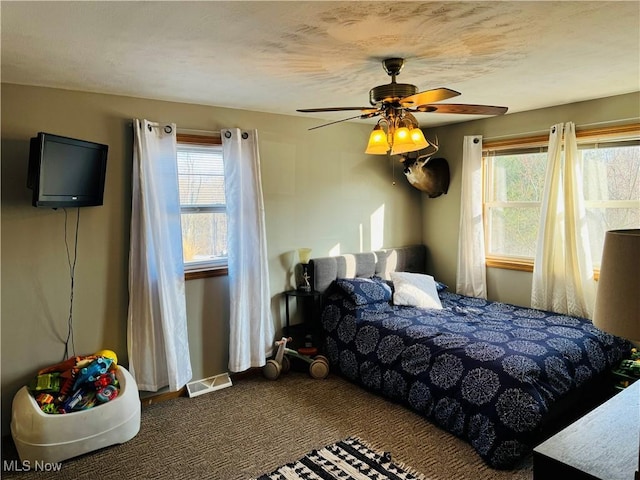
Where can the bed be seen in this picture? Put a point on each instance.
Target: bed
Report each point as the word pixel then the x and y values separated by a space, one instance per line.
pixel 499 376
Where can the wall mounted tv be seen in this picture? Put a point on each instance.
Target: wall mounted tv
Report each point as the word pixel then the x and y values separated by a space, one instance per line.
pixel 66 172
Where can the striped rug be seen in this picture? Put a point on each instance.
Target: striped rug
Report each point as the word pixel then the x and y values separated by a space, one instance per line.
pixel 348 459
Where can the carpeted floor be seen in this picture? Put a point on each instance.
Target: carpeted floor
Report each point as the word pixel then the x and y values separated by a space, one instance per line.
pixel 257 425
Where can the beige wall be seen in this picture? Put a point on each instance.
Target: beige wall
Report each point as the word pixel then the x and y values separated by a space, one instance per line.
pixel 442 214
pixel 320 191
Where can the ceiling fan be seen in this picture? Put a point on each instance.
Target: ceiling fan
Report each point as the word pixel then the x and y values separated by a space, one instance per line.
pixel 396 103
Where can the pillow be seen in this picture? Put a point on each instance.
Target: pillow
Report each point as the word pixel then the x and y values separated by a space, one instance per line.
pixel 440 287
pixel 416 290
pixel 364 291
pixel 378 278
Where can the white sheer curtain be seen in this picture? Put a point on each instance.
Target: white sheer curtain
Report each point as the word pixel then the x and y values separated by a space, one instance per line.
pixel 563 272
pixel 471 276
pixel 251 326
pixel 157 322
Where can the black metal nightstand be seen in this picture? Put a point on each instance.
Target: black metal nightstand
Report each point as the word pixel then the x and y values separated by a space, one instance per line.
pixel 309 300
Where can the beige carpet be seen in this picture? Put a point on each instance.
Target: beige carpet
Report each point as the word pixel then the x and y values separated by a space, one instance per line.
pixel 257 425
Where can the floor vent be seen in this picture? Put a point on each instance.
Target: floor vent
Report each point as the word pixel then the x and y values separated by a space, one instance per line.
pixel 210 384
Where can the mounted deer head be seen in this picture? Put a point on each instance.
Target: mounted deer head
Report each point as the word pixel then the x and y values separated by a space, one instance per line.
pixel 426 174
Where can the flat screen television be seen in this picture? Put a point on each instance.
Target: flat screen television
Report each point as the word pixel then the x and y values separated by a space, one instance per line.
pixel 66 172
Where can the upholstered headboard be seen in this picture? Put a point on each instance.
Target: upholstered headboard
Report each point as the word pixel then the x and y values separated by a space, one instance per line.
pixel 324 270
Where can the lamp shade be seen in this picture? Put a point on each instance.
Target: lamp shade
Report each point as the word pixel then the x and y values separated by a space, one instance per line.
pixel 304 254
pixel 378 144
pixel 402 142
pixel 417 137
pixel 617 309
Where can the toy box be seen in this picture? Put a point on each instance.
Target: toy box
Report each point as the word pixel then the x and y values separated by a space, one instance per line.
pixel 41 437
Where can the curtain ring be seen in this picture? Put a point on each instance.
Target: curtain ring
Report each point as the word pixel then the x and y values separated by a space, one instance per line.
pixel 245 135
pixel 227 134
pixel 168 129
pixel 476 140
pixel 553 129
pixel 149 126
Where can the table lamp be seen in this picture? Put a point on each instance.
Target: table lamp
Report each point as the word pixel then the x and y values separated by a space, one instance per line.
pixel 305 255
pixel 617 309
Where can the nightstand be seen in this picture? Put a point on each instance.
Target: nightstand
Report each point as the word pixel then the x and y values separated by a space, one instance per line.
pixel 310 304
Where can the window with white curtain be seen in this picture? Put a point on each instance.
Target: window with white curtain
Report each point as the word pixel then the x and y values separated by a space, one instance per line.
pixel 202 204
pixel 514 174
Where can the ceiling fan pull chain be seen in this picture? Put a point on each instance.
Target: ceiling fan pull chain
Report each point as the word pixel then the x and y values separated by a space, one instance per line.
pixel 393 169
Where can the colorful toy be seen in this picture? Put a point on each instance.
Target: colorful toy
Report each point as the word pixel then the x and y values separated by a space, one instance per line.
pixel 44 398
pixel 66 385
pixel 68 364
pixel 91 372
pixel 73 400
pixel 49 408
pixel 80 400
pixel 105 379
pixel 107 393
pixel 109 354
pixel 88 400
pixel 318 365
pixel 49 382
pixel 78 383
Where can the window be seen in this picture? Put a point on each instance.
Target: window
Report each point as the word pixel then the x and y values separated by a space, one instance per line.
pixel 514 173
pixel 202 205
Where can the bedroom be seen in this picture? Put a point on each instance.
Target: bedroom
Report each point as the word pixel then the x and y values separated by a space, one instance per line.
pixel 308 176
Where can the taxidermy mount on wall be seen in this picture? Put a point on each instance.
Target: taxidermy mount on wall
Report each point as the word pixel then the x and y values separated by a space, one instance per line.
pixel 431 175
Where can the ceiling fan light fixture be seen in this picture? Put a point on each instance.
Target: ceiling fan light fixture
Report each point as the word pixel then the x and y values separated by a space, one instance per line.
pixel 378 144
pixel 394 102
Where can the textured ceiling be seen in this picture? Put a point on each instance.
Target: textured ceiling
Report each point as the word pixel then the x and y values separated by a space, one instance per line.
pixel 280 56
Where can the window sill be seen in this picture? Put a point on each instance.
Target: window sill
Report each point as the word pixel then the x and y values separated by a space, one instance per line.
pixel 206 273
pixel 521 265
pixel 510 264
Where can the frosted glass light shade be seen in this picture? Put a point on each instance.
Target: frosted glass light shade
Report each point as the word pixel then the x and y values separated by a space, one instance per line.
pixel 617 308
pixel 378 144
pixel 402 142
pixel 304 254
pixel 417 137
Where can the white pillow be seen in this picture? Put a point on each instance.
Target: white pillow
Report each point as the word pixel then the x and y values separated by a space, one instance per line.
pixel 415 289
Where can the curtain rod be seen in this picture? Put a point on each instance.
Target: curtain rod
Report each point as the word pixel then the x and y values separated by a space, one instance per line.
pixel 204 133
pixel 167 127
pixel 186 131
pixel 585 125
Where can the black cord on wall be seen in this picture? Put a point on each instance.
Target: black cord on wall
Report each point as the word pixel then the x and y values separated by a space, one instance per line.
pixel 72 268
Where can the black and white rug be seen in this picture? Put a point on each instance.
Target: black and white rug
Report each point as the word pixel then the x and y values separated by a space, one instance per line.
pixel 347 459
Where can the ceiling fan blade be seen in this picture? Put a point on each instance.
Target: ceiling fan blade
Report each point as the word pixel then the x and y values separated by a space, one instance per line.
pixel 428 96
pixel 368 115
pixel 462 109
pixel 336 109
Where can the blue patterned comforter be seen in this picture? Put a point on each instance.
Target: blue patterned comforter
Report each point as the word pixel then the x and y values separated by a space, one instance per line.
pixel 485 371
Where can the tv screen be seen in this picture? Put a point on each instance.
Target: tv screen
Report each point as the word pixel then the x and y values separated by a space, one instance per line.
pixel 66 172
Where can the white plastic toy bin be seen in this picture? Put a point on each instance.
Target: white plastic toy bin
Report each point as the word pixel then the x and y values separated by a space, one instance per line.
pixel 44 437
